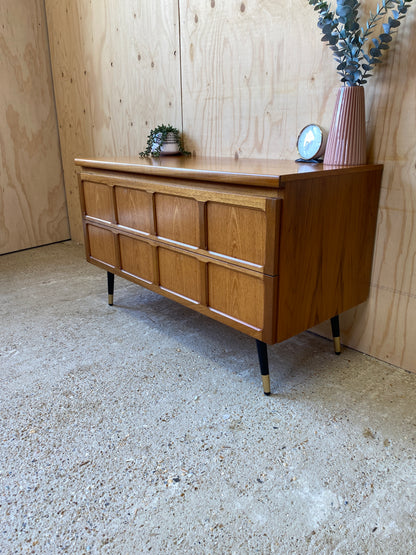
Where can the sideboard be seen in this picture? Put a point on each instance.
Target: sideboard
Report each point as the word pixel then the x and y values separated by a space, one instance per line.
pixel 270 248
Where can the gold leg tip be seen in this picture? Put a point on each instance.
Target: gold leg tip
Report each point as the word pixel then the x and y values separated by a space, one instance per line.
pixel 337 345
pixel 266 384
pixel 110 300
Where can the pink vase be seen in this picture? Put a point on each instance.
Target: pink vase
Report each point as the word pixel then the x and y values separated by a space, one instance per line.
pixel 346 145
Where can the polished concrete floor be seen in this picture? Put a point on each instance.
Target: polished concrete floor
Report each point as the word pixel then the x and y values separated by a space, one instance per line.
pixel 142 427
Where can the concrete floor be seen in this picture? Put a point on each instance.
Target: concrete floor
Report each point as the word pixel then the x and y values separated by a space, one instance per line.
pixel 143 427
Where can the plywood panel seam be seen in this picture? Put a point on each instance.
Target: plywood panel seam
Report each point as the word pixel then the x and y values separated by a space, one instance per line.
pixel 51 73
pixel 180 62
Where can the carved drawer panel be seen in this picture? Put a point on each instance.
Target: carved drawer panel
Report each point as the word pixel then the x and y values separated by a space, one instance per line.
pixel 236 295
pixel 237 232
pixel 136 258
pixel 134 209
pixel 98 201
pixel 101 245
pixel 177 219
pixel 181 274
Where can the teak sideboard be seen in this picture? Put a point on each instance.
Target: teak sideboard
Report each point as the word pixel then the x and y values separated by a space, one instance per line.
pixel 270 248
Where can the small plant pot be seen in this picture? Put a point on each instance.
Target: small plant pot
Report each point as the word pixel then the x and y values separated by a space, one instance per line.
pixel 164 140
pixel 168 147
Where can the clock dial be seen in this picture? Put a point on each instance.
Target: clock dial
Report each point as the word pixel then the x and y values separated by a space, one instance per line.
pixel 311 142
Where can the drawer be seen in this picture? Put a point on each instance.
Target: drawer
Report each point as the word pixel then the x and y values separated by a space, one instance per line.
pixel 181 275
pixel 101 245
pixel 237 232
pixel 178 219
pixel 233 226
pixel 236 295
pixel 98 201
pixel 134 209
pixel 137 258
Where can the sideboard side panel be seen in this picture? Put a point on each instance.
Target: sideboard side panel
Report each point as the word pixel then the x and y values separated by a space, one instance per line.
pixel 326 249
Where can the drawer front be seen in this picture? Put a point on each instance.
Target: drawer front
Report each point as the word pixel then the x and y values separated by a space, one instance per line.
pixel 237 232
pixel 137 258
pixel 236 296
pixel 101 245
pixel 242 299
pixel 212 251
pixel 134 209
pixel 181 275
pixel 98 201
pixel 240 228
pixel 177 219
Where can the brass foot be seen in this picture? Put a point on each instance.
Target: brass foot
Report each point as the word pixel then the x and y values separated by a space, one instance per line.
pixel 266 384
pixel 337 345
pixel 264 365
pixel 336 334
pixel 110 287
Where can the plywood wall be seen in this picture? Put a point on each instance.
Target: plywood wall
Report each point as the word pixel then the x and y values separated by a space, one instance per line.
pixel 250 77
pixel 32 197
pixel 116 74
pixel 386 325
pixel 251 74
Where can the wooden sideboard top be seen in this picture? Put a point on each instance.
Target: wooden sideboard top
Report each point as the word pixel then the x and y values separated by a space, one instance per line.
pixel 255 172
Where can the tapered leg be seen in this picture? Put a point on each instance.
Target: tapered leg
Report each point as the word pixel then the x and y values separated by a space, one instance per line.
pixel 264 365
pixel 110 288
pixel 336 334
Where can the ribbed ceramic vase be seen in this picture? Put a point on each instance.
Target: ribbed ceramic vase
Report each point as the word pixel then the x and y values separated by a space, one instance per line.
pixel 346 145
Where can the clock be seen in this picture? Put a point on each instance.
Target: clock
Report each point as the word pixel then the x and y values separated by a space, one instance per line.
pixel 311 143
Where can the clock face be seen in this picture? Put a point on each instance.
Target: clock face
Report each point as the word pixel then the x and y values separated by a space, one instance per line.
pixel 311 142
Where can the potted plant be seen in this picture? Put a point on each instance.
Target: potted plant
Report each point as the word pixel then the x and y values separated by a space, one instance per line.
pixel 356 58
pixel 164 140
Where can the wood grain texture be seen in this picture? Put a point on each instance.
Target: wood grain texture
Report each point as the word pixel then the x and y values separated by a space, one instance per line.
pixel 173 259
pixel 328 227
pixel 134 209
pixel 32 197
pixel 251 76
pixel 237 232
pixel 212 255
pixel 113 81
pixel 98 201
pixel 237 295
pixel 181 274
pixel 102 245
pixel 177 219
pixel 136 258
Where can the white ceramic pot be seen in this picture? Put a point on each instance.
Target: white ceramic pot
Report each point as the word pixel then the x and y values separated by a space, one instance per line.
pixel 169 146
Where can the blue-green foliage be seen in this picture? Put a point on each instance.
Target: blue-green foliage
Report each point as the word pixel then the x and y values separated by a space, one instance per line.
pixel 342 31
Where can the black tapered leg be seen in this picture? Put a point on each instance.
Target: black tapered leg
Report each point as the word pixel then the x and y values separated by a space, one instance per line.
pixel 264 365
pixel 336 334
pixel 110 288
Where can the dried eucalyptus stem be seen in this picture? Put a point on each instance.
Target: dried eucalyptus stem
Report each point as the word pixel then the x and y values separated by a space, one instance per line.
pixel 342 32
